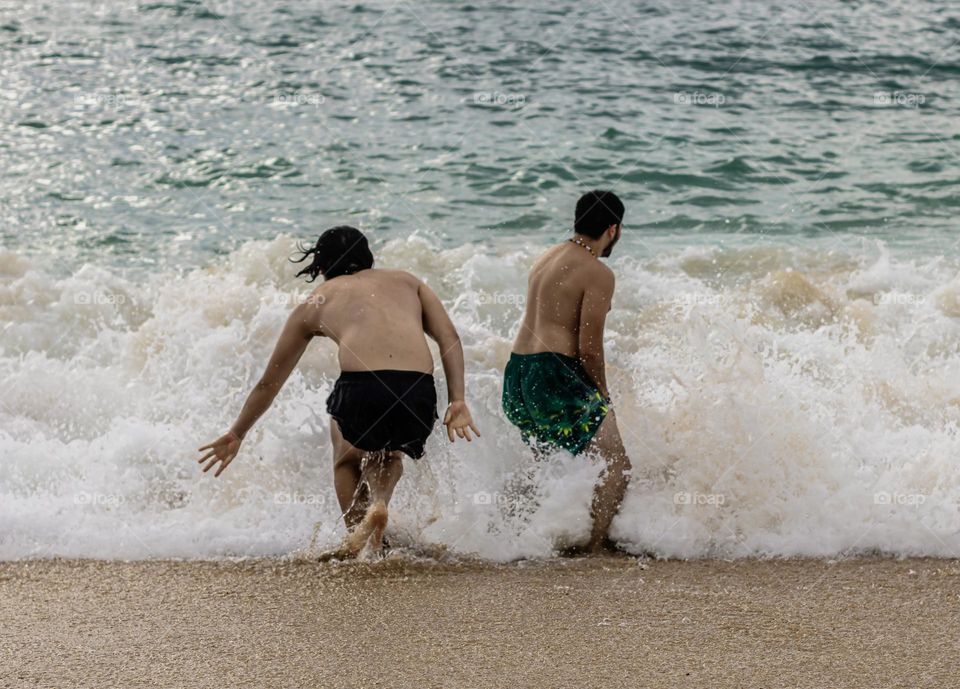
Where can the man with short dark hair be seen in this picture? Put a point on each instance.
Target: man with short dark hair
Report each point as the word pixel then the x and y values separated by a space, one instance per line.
pixel 555 386
pixel 385 401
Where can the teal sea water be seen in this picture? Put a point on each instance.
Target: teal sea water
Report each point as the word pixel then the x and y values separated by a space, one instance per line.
pixel 139 132
pixel 784 347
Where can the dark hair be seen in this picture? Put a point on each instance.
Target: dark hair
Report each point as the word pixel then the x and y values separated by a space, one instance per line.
pixel 341 250
pixel 596 211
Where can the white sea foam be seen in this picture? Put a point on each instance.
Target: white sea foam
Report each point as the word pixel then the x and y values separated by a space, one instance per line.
pixel 773 402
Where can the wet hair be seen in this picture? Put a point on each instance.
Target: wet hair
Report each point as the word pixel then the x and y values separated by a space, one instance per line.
pixel 596 211
pixel 341 250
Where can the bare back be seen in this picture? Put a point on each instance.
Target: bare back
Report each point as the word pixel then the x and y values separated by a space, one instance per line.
pixel 555 292
pixel 376 318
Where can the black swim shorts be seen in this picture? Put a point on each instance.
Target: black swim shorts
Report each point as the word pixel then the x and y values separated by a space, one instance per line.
pixel 385 410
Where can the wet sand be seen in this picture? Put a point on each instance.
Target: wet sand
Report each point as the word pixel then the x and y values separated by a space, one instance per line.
pixel 399 623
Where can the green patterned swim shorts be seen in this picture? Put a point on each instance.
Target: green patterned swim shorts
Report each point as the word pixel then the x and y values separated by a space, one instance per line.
pixel 552 400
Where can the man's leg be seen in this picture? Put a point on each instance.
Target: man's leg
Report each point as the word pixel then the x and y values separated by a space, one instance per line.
pixel 364 483
pixel 351 491
pixel 613 481
pixel 381 471
pixel 379 474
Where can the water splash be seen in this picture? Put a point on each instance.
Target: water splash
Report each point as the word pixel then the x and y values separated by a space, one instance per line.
pixel 806 409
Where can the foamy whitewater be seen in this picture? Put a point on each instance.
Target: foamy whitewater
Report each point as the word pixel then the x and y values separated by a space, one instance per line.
pixel 774 401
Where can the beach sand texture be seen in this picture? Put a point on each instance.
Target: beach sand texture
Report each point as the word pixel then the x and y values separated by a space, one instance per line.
pixel 399 622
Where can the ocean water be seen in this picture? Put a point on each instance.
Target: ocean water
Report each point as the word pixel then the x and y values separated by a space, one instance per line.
pixel 783 346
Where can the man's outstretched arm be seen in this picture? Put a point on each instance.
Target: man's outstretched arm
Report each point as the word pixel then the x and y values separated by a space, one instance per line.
pixel 290 347
pixel 437 324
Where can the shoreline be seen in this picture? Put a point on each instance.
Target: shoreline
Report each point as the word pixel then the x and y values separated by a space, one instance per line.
pixel 400 622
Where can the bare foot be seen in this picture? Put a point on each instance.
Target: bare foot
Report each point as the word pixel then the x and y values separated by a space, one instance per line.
pixel 370 530
pixel 377 516
pixel 338 553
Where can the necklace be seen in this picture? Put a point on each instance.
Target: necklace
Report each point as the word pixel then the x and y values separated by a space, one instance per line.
pixel 579 242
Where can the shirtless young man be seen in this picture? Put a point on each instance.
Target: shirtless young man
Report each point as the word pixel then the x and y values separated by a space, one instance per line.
pixel 384 402
pixel 555 385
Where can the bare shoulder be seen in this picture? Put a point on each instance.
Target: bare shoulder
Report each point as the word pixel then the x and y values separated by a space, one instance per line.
pixel 600 274
pixel 404 280
pixel 549 261
pixel 319 296
pixel 400 276
pixel 550 253
pixel 601 269
pixel 308 312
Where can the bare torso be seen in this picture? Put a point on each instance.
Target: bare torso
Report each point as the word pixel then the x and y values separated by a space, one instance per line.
pixel 555 291
pixel 376 318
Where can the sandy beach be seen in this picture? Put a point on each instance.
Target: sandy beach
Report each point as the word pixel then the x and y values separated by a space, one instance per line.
pixel 608 622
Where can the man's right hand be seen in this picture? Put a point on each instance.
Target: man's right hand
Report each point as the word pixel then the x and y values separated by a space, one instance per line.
pixel 222 450
pixel 458 420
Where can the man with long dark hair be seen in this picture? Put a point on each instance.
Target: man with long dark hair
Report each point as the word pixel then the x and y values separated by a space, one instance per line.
pixel 384 403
